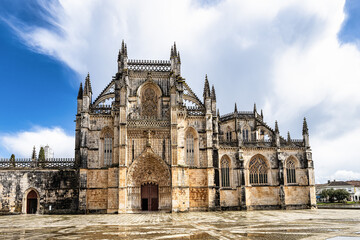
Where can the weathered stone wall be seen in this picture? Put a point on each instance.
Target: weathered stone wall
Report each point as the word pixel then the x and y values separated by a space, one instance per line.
pixel 57 189
pixel 229 198
pixel 297 195
pixel 262 197
pixel 198 180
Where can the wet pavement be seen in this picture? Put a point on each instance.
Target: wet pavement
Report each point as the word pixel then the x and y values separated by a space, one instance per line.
pixel 295 224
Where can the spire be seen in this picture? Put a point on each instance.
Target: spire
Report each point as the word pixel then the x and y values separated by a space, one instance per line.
pixel 119 55
pixel 288 137
pixel 87 87
pixel 125 50
pixel 218 113
pixel 206 88
pixel 122 47
pixel 80 93
pixel 179 56
pixel 262 115
pixel 254 107
pixel 175 51
pixel 213 95
pixel 276 127
pixel 235 108
pixel 305 127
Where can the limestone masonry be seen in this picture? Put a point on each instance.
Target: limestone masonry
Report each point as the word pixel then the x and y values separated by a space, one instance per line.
pixel 148 143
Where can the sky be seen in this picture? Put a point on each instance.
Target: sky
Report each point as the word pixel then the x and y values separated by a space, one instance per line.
pixel 294 59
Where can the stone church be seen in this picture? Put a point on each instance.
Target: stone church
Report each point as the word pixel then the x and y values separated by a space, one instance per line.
pixel 149 143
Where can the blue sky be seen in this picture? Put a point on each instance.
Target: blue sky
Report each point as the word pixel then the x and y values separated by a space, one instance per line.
pixel 294 59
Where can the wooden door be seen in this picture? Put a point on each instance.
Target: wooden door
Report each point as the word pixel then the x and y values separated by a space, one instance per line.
pixel 32 201
pixel 149 197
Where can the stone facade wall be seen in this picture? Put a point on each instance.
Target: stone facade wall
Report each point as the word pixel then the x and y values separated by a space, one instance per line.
pixel 57 189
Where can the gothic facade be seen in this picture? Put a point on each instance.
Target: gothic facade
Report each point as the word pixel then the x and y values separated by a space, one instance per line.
pixel 147 142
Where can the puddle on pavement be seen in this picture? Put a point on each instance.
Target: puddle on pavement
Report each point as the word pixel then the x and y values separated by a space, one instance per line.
pixel 264 225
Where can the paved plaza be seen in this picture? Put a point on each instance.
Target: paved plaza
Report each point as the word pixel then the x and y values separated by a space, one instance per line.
pixel 295 224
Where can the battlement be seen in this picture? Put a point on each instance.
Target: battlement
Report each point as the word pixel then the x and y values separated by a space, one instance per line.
pixel 149 65
pixel 51 163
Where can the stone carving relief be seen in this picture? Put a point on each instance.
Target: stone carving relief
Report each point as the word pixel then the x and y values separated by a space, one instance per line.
pixel 149 103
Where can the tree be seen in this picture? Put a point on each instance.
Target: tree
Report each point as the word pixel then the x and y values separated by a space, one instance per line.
pixel 33 156
pixel 42 157
pixel 341 194
pixel 328 194
pixel 12 160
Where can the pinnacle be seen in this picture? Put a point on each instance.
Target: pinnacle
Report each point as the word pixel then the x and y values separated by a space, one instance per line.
pixel 276 127
pixel 80 93
pixel 213 95
pixel 288 137
pixel 305 127
pixel 87 87
pixel 206 88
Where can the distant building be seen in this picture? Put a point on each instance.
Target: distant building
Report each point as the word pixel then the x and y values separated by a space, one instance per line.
pixel 49 153
pixel 353 187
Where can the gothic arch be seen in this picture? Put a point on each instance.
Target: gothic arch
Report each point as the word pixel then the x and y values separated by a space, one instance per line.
pixel 25 204
pixel 190 131
pixel 148 168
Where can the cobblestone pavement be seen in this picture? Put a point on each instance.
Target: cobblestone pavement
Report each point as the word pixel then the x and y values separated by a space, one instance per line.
pixel 296 224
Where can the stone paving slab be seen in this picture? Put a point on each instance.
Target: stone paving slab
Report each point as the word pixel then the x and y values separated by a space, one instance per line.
pixel 295 224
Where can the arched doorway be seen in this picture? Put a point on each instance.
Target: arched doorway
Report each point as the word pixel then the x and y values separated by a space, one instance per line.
pixel 149 197
pixel 31 202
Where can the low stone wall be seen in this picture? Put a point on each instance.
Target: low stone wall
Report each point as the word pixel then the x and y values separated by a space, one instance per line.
pixel 57 190
pixel 339 206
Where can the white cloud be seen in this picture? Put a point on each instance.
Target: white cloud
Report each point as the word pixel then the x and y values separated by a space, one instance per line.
pixel 22 143
pixel 284 55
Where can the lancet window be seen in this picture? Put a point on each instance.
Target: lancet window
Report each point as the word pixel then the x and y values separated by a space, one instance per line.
pixel 107 149
pixel 190 149
pixel 290 171
pixel 258 171
pixel 225 173
pixel 245 134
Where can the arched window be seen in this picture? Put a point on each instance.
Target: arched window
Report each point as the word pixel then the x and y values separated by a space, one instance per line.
pixel 228 134
pixel 258 171
pixel 225 172
pixel 190 149
pixel 107 149
pixel 290 171
pixel 245 134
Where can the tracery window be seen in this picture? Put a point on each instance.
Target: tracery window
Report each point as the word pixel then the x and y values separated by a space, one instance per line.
pixel 107 149
pixel 258 171
pixel 225 173
pixel 149 103
pixel 190 149
pixel 290 171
